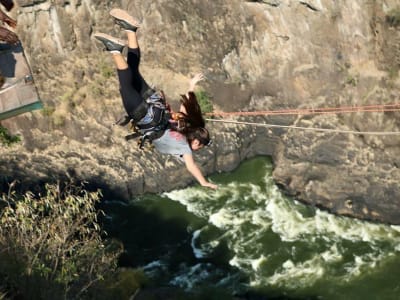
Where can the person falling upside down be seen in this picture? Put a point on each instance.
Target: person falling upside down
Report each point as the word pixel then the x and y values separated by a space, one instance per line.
pixel 7 35
pixel 146 108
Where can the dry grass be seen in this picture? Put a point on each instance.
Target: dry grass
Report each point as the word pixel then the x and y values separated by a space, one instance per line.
pixel 51 245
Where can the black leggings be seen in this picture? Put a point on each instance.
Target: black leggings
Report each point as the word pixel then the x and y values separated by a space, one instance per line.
pixel 133 87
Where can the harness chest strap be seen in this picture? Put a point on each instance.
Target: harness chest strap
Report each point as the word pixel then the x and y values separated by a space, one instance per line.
pixel 153 107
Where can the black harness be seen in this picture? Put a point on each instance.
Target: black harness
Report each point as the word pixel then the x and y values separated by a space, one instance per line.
pixel 150 120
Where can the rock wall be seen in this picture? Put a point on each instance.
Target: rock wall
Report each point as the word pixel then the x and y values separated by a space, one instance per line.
pixel 257 55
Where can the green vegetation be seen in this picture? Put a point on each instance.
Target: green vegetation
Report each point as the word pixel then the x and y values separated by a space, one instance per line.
pixel 103 82
pixel 6 138
pixel 68 98
pixel 351 80
pixel 124 284
pixel 51 245
pixel 393 72
pixel 47 111
pixel 58 120
pixel 106 69
pixel 393 17
pixel 204 101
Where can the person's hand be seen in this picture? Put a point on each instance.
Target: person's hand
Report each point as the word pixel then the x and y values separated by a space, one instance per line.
pixel 6 19
pixel 8 36
pixel 210 185
pixel 196 78
pixel 8 4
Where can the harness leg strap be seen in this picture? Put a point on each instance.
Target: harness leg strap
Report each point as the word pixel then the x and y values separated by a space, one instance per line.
pixel 139 112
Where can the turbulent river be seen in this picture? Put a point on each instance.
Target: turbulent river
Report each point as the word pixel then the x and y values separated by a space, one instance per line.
pixel 248 237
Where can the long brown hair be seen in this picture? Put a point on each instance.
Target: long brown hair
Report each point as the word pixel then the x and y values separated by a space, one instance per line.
pixel 193 123
pixel 193 114
pixel 199 133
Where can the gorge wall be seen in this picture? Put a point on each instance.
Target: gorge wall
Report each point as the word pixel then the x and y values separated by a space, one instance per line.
pixel 257 55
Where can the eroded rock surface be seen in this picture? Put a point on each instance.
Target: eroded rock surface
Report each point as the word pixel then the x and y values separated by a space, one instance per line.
pixel 257 55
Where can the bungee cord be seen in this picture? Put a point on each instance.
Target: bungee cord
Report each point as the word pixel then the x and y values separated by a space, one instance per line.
pixel 309 111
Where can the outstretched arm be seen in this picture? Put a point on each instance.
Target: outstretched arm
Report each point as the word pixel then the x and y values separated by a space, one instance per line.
pixel 196 78
pixel 196 172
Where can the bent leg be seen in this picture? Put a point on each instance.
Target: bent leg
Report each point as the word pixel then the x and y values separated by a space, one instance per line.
pixel 133 59
pixel 119 61
pixel 131 99
pixel 138 82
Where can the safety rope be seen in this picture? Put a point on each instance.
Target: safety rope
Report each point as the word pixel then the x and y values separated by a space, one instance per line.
pixel 329 110
pixel 308 111
pixel 307 128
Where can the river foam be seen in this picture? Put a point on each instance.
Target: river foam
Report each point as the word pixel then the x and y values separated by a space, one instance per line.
pixel 277 241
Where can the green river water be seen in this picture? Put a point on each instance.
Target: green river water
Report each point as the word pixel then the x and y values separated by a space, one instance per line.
pixel 248 236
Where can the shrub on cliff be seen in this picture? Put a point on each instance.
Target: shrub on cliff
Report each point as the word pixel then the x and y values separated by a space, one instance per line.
pixel 393 17
pixel 6 138
pixel 204 101
pixel 51 246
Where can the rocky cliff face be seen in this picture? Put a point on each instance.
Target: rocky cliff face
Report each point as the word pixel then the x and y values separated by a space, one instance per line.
pixel 257 55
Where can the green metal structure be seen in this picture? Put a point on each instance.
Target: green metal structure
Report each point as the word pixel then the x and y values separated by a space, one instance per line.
pixel 18 93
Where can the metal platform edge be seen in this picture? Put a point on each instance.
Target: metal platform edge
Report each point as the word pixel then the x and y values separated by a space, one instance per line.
pixel 21 110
